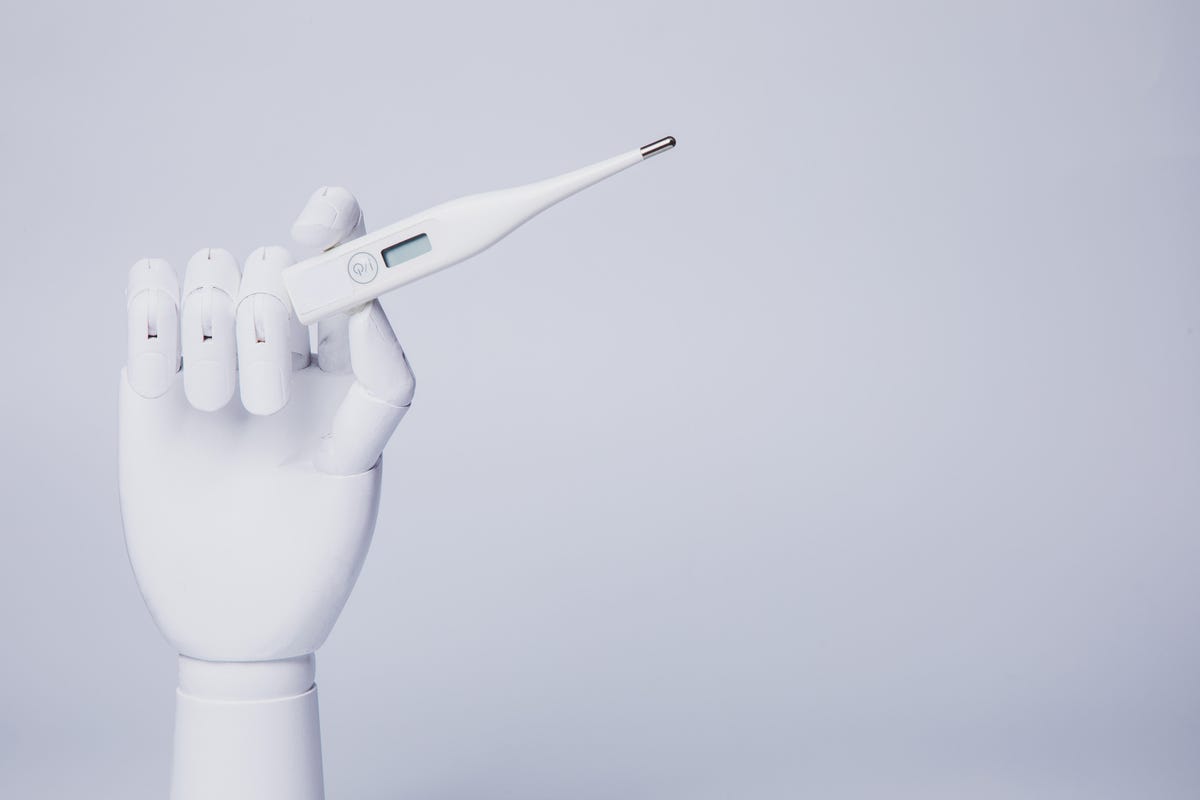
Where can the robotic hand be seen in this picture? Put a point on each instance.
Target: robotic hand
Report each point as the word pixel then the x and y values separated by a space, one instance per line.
pixel 247 520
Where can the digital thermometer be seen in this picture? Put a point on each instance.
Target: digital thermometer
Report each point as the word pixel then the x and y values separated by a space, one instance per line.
pixel 356 272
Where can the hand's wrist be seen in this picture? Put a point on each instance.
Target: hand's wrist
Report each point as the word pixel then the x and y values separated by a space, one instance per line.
pixel 246 681
pixel 246 731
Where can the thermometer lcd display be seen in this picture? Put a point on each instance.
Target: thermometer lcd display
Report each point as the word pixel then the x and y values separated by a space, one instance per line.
pixel 407 250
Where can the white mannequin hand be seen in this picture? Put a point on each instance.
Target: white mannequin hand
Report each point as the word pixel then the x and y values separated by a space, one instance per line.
pixel 247 521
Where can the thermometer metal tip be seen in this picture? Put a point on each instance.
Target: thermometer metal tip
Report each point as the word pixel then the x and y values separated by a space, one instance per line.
pixel 661 146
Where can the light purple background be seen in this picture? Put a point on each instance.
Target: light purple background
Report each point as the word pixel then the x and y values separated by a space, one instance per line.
pixel 850 450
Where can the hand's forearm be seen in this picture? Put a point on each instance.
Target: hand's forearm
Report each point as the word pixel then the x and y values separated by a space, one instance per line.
pixel 247 731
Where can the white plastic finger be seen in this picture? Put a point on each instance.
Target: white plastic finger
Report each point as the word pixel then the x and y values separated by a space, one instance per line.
pixel 378 359
pixel 152 305
pixel 210 291
pixel 330 216
pixel 270 342
pixel 361 428
pixel 376 402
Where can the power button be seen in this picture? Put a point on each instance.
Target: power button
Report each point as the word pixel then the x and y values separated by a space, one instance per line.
pixel 362 267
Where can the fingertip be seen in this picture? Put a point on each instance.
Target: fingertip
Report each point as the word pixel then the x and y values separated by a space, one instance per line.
pixel 265 387
pixel 212 267
pixel 263 273
pixel 331 215
pixel 152 274
pixel 149 374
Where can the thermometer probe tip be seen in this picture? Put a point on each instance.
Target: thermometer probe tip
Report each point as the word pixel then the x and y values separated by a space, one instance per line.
pixel 661 146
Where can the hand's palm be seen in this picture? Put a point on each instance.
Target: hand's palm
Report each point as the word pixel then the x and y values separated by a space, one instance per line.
pixel 242 550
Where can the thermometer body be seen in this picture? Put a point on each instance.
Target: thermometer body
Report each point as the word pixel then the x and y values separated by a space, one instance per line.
pixel 356 272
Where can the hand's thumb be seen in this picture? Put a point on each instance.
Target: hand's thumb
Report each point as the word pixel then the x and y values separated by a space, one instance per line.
pixel 376 402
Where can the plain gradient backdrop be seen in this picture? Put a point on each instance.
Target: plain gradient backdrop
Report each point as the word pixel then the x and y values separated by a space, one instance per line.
pixel 850 450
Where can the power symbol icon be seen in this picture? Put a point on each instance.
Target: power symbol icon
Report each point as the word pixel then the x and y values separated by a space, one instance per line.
pixel 363 268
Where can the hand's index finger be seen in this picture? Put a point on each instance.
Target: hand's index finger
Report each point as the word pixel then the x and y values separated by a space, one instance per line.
pixel 331 216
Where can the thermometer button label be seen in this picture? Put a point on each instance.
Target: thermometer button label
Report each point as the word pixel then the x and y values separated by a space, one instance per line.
pixel 363 267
